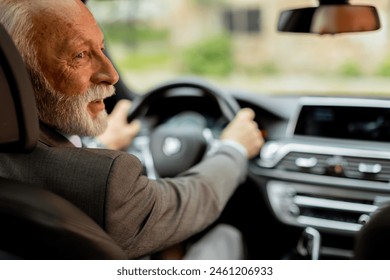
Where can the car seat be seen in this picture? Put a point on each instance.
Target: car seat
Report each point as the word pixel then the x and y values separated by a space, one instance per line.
pixel 373 240
pixel 35 223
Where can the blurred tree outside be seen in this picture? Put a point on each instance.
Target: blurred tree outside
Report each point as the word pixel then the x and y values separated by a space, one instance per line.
pixel 384 68
pixel 351 68
pixel 212 56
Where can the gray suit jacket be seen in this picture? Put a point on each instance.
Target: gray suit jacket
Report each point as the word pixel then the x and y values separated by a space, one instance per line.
pixel 141 215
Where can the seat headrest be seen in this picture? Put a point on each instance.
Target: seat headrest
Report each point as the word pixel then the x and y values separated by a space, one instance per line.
pixel 19 126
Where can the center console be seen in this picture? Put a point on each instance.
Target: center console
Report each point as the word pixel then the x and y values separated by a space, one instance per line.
pixel 332 170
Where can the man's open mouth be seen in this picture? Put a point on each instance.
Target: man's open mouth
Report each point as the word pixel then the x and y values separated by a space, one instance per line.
pixel 95 107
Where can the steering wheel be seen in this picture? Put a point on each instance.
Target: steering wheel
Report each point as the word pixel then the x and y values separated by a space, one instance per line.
pixel 175 146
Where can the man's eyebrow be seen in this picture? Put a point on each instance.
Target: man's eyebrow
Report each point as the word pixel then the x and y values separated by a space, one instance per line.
pixel 79 41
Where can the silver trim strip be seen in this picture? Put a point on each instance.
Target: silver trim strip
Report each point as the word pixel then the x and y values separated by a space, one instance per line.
pixel 142 144
pixel 321 180
pixel 328 224
pixel 334 204
pixel 330 251
pixel 323 150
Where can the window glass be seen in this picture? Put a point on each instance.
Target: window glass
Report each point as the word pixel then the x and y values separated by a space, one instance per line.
pixel 234 43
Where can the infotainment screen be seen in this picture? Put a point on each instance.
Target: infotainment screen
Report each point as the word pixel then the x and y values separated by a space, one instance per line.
pixel 344 122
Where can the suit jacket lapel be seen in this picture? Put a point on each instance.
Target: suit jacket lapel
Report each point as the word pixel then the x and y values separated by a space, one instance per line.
pixel 52 138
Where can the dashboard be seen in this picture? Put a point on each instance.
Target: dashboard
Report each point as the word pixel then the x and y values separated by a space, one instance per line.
pixel 321 175
pixel 330 171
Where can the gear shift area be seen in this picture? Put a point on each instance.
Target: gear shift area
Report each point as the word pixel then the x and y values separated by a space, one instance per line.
pixel 309 244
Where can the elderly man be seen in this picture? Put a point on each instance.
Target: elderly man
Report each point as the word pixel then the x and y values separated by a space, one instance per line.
pixel 62 47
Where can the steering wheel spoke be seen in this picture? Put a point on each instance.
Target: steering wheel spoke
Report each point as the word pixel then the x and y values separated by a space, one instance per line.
pixel 141 150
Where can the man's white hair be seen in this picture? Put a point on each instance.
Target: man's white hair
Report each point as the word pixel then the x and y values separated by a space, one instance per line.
pixel 16 17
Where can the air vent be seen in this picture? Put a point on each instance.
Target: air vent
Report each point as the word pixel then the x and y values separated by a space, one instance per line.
pixel 367 169
pixel 360 168
pixel 322 207
pixel 304 162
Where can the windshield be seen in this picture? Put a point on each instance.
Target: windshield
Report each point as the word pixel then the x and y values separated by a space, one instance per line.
pixel 235 44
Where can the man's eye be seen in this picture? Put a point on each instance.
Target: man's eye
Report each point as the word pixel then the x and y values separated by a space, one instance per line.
pixel 80 55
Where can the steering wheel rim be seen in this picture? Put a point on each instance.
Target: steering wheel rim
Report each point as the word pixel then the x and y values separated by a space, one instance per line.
pixel 151 148
pixel 227 104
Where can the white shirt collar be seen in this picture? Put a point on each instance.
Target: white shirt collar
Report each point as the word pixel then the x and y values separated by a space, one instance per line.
pixel 75 140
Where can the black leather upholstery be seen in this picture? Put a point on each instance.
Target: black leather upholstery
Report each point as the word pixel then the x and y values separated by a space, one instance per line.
pixel 373 241
pixel 18 115
pixel 35 223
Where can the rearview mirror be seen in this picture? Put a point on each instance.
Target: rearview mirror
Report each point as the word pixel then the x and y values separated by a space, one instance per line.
pixel 330 19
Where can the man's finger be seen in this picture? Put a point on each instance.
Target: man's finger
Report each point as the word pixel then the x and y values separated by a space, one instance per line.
pixel 245 114
pixel 121 108
pixel 133 128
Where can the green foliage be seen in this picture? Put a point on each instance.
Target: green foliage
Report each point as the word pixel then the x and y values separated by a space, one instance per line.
pixel 139 61
pixel 384 68
pixel 210 2
pixel 212 56
pixel 269 69
pixel 350 69
pixel 121 32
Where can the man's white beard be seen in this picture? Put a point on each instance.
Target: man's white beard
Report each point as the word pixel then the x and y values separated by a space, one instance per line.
pixel 68 114
pixel 72 116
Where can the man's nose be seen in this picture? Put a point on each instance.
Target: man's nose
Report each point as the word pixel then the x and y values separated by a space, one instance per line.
pixel 105 71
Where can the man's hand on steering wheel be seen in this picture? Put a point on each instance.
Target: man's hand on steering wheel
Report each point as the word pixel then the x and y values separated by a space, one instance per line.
pixel 119 133
pixel 244 130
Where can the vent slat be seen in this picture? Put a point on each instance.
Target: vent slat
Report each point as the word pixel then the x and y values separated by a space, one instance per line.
pixel 350 165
